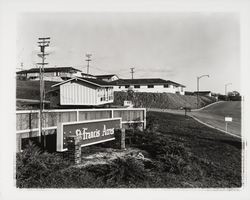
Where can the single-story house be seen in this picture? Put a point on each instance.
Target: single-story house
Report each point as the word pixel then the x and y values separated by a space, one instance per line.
pixel 108 77
pixel 50 73
pixel 80 91
pixel 203 93
pixel 84 75
pixel 155 85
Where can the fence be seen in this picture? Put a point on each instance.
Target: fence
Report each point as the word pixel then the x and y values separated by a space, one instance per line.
pixel 27 121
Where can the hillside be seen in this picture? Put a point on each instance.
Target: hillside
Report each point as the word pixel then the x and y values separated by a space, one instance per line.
pixel 161 100
pixel 31 89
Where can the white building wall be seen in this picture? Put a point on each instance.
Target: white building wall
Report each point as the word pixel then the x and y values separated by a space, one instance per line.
pixel 32 75
pixel 76 94
pixel 106 93
pixel 156 89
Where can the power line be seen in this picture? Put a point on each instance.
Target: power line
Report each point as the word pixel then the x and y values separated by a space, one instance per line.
pixel 101 70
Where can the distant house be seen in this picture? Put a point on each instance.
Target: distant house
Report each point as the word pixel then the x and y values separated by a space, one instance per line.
pixel 189 93
pixel 81 92
pixel 50 73
pixel 108 77
pixel 203 93
pixel 84 75
pixel 148 85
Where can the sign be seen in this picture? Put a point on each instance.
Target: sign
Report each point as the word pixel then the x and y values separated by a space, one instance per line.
pixel 228 119
pixel 128 104
pixel 91 132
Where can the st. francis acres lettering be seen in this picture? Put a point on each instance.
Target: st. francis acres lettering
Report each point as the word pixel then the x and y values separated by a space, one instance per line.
pixel 85 134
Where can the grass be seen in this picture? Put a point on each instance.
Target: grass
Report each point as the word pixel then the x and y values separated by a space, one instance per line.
pixel 179 153
pixel 218 155
pixel 31 89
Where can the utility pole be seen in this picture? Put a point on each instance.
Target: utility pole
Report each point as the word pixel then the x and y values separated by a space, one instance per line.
pixel 198 79
pixel 42 43
pixel 226 90
pixel 88 55
pixel 132 72
pixel 21 66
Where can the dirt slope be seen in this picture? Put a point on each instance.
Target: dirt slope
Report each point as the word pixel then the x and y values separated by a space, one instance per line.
pixel 161 100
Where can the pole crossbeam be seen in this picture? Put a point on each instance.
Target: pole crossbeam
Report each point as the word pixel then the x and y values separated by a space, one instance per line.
pixel 44 38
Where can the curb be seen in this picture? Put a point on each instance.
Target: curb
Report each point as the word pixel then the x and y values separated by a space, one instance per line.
pixel 207 106
pixel 208 125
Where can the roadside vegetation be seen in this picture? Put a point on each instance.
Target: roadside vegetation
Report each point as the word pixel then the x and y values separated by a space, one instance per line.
pixel 174 152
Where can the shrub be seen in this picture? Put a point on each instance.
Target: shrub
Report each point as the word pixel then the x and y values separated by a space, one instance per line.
pixel 172 156
pixel 121 172
pixel 33 167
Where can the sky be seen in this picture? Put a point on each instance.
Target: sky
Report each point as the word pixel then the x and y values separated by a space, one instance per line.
pixel 176 46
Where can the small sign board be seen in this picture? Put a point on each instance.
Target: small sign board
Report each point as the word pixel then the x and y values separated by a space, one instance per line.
pixel 91 132
pixel 128 104
pixel 228 119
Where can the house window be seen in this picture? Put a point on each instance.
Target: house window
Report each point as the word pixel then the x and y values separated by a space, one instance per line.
pixel 126 86
pixel 181 89
pixel 137 86
pixel 150 86
pixel 119 87
pixel 166 86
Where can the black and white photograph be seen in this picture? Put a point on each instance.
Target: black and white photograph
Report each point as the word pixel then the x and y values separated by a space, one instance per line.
pixel 129 99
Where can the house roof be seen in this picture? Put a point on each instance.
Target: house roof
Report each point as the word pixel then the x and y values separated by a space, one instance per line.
pixel 148 81
pixel 105 76
pixel 49 69
pixel 202 92
pixel 90 75
pixel 96 82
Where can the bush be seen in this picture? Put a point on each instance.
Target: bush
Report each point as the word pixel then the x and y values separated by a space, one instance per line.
pixel 33 167
pixel 121 172
pixel 172 155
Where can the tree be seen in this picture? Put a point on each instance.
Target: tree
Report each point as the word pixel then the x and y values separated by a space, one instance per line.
pixel 234 94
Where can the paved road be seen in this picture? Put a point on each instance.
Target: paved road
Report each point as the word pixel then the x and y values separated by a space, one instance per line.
pixel 215 114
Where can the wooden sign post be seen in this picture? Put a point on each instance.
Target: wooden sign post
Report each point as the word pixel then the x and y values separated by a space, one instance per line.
pixel 228 119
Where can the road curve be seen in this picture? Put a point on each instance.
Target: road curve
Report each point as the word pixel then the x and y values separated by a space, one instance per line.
pixel 214 116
